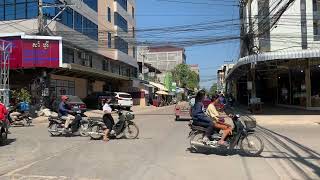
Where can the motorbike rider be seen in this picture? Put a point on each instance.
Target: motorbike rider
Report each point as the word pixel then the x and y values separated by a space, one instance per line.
pixel 19 109
pixel 218 122
pixel 64 112
pixel 107 118
pixel 199 116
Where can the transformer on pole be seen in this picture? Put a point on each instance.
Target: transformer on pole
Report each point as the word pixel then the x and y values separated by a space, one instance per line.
pixel 5 50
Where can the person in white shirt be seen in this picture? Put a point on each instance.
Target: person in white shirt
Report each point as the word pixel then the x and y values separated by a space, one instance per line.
pixel 107 118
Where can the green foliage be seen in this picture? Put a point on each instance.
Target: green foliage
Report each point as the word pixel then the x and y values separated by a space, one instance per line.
pixel 184 77
pixel 213 89
pixel 22 95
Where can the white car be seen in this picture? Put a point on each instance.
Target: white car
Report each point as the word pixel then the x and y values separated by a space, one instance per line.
pixel 123 100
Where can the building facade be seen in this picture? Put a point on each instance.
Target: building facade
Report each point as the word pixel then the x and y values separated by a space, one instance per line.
pixel 280 53
pixel 164 58
pixel 221 77
pixel 195 68
pixel 97 53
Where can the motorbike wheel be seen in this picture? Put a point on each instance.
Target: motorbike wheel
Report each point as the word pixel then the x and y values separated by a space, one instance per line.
pixel 84 129
pixel 252 145
pixel 27 122
pixel 131 131
pixel 53 130
pixel 197 137
pixel 3 137
pixel 96 129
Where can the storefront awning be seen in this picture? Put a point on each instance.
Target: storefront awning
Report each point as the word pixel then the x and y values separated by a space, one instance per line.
pixel 159 86
pixel 280 55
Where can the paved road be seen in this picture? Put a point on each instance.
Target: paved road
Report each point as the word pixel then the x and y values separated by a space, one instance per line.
pixel 292 152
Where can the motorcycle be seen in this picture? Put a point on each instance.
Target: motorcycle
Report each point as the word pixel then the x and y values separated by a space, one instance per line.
pixel 242 136
pixel 24 119
pixel 79 126
pixel 125 127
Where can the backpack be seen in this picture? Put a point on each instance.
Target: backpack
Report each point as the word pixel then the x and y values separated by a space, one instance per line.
pixel 24 106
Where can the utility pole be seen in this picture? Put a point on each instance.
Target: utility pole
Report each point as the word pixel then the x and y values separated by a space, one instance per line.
pixel 40 18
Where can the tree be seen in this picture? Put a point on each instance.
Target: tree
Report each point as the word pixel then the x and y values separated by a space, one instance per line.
pixel 184 77
pixel 213 89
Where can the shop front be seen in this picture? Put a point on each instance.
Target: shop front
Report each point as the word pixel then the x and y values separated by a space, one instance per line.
pixel 289 79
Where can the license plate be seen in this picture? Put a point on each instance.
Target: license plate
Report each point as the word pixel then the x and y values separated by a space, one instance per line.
pixel 76 107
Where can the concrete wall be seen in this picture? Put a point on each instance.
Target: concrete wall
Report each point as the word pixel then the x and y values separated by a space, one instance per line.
pixel 80 84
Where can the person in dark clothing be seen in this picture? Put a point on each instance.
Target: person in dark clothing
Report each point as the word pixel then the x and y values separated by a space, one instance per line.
pixel 199 116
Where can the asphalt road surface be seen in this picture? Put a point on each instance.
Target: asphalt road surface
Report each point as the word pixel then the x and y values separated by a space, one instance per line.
pixel 160 153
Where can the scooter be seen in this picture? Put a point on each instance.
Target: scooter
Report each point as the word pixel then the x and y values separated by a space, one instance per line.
pixel 242 136
pixel 24 119
pixel 78 127
pixel 125 127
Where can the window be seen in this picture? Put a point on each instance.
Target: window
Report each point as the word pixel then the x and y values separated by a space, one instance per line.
pixel 32 9
pixel 9 10
pixel 121 45
pixel 67 17
pixel 61 87
pixel 109 40
pixel 21 12
pixel 133 12
pixel 123 4
pixel 68 55
pixel 85 58
pixel 105 65
pixel 109 14
pixel 77 21
pixel 90 29
pixel 133 32
pixel 93 4
pixel 134 53
pixel 120 22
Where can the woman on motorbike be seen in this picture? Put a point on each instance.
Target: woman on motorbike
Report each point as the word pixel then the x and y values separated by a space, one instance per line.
pixel 107 118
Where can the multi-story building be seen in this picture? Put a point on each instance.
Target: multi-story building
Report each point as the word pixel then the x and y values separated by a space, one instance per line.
pixel 221 77
pixel 96 50
pixel 195 68
pixel 280 53
pixel 163 58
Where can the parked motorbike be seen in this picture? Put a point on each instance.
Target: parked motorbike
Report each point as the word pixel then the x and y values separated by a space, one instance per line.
pixel 24 119
pixel 78 127
pixel 125 127
pixel 242 136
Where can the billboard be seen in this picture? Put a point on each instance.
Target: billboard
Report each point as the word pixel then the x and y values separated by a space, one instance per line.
pixel 34 51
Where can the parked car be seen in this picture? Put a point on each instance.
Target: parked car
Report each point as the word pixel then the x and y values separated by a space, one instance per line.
pixel 122 100
pixel 74 101
pixel 183 111
pixel 93 100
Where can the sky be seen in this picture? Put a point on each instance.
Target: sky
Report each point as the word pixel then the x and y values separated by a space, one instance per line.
pixel 168 13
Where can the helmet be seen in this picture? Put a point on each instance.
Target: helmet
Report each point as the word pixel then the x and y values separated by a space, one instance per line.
pixel 63 98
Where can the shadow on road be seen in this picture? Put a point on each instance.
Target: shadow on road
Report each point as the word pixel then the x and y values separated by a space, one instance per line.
pixel 9 141
pixel 292 152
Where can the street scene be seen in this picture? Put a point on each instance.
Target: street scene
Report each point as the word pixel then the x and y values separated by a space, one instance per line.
pixel 159 89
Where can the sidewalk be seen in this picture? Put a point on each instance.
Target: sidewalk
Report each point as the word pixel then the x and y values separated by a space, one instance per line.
pixel 282 116
pixel 99 113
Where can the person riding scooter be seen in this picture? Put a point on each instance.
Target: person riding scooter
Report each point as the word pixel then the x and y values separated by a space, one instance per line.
pixel 19 109
pixel 200 118
pixel 107 118
pixel 64 112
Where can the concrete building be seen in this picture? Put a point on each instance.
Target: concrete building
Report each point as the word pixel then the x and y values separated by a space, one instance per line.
pixel 221 77
pixel 280 53
pixel 195 68
pixel 163 58
pixel 96 52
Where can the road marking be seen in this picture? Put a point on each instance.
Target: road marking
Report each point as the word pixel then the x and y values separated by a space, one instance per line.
pixel 10 173
pixel 20 176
